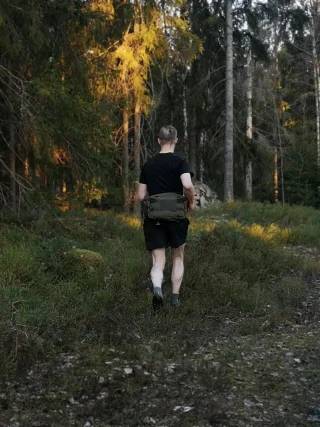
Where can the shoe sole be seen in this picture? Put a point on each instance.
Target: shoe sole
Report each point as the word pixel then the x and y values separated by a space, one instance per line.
pixel 157 302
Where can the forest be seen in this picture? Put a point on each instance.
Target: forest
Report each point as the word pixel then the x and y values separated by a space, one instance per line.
pixel 85 86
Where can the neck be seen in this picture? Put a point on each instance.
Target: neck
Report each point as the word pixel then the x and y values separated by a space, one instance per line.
pixel 167 149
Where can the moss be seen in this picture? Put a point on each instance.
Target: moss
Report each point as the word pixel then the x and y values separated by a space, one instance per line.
pixel 85 259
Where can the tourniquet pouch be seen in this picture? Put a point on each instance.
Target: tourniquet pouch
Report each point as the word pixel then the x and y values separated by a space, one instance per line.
pixel 167 206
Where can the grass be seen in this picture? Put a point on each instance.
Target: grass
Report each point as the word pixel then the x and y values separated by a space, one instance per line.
pixel 52 301
pixel 295 225
pixel 267 213
pixel 78 283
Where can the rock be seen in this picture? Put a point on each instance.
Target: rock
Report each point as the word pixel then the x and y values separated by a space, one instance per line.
pixel 102 395
pixel 73 402
pixel 85 260
pixel 171 367
pixel 314 418
pixel 248 403
pixel 183 408
pixel 187 408
pixel 205 196
pixel 149 420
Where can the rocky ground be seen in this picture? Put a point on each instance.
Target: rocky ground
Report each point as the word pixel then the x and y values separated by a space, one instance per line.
pixel 224 371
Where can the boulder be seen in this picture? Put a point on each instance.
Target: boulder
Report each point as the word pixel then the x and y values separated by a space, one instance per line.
pixel 205 196
pixel 84 259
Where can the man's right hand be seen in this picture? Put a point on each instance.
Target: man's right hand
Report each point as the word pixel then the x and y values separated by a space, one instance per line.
pixel 191 206
pixel 188 190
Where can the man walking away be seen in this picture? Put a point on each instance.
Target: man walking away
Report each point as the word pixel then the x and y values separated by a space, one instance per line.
pixel 166 179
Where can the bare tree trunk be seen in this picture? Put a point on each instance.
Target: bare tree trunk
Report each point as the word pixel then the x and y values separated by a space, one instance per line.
pixel 200 155
pixel 26 169
pixel 249 126
pixel 275 149
pixel 126 190
pixel 228 156
pixel 193 142
pixel 281 172
pixel 12 157
pixel 275 175
pixel 137 136
pixel 316 79
pixel 281 155
pixel 12 148
pixel 185 120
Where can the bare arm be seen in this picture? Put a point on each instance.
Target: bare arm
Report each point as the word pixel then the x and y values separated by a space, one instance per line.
pixel 188 190
pixel 142 192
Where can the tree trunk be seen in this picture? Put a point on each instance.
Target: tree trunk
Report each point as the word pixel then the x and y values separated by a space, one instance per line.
pixel 249 126
pixel 137 136
pixel 276 83
pixel 12 163
pixel 316 81
pixel 193 142
pixel 126 189
pixel 12 148
pixel 281 173
pixel 228 155
pixel 185 120
pixel 280 149
pixel 201 154
pixel 275 176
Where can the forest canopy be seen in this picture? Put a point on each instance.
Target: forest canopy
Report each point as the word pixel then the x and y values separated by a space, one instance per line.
pixel 85 86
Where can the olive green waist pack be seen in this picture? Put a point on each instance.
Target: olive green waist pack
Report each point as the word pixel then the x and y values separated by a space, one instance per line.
pixel 166 206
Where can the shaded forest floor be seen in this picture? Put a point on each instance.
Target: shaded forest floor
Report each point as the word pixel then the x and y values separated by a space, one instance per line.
pixel 79 345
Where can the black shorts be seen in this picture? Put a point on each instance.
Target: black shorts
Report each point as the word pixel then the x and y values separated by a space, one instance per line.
pixel 162 234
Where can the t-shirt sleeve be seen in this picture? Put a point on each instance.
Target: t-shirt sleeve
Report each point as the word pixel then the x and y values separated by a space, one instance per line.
pixel 185 168
pixel 142 179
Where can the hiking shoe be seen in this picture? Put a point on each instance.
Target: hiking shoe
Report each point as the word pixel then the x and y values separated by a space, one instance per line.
pixel 175 305
pixel 157 301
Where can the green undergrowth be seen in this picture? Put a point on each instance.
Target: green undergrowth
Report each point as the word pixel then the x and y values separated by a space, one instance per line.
pixel 296 225
pixel 81 281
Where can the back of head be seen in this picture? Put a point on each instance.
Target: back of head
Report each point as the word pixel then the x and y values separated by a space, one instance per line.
pixel 167 135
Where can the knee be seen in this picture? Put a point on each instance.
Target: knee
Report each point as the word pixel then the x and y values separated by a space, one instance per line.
pixel 159 258
pixel 159 263
pixel 177 259
pixel 177 254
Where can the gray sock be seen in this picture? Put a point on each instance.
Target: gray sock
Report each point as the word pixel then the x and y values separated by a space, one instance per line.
pixel 157 290
pixel 174 299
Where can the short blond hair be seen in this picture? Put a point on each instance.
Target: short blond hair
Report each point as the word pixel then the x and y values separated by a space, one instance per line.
pixel 167 134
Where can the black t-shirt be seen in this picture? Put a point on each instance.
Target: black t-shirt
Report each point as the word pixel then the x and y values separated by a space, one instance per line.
pixel 162 173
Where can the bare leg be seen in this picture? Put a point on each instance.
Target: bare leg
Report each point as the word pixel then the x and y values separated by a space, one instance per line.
pixel 177 269
pixel 159 262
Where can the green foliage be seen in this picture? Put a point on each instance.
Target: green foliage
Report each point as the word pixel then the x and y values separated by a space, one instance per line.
pixel 69 68
pixel 266 213
pixel 16 266
pixel 281 223
pixel 73 285
pixel 238 269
